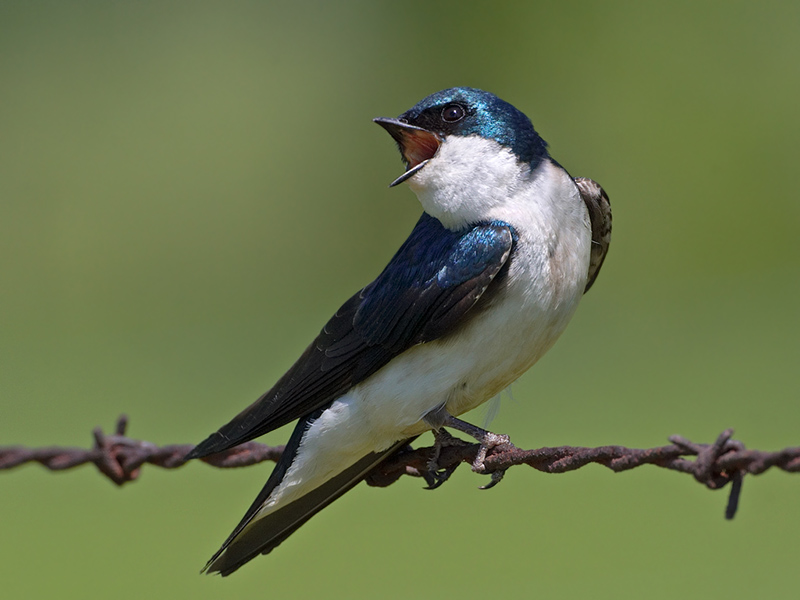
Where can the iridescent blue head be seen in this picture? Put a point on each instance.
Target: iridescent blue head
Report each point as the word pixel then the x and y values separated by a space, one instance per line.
pixel 462 111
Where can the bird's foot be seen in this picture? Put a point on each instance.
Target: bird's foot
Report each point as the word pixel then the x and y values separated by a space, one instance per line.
pixel 489 441
pixel 435 475
pixel 486 439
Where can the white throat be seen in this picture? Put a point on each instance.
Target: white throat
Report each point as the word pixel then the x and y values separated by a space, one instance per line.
pixel 466 179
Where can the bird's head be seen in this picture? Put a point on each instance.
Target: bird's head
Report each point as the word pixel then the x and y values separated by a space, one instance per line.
pixel 462 141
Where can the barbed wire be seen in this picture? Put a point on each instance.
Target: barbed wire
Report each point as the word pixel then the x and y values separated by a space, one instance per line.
pixel 715 465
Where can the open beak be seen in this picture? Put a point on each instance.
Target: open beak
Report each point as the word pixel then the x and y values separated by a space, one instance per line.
pixel 417 145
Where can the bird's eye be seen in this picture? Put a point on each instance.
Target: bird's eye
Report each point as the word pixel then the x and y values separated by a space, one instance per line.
pixel 452 113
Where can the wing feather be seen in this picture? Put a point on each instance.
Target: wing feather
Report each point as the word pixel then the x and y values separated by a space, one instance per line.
pixel 599 207
pixel 426 290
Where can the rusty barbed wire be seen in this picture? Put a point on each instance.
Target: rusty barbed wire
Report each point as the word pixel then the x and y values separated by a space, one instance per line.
pixel 121 458
pixel 725 461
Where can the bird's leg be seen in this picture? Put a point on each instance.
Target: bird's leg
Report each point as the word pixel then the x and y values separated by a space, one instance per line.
pixel 441 418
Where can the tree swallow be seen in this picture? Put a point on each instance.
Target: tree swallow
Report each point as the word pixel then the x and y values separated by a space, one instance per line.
pixel 488 279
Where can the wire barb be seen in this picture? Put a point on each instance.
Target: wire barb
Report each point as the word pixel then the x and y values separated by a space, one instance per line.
pixel 725 461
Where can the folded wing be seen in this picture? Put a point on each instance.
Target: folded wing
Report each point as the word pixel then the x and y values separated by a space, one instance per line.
pixel 427 289
pixel 599 207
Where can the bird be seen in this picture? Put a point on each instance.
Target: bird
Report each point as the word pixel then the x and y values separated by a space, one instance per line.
pixel 506 246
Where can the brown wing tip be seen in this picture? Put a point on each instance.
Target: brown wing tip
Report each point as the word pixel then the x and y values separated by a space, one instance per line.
pixel 599 207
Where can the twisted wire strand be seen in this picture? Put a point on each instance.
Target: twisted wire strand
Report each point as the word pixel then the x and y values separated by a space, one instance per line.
pixel 715 465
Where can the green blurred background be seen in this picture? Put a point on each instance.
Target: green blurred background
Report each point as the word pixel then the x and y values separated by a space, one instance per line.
pixel 188 190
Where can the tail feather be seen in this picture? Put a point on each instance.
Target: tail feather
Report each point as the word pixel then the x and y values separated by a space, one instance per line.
pixel 285 461
pixel 261 536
